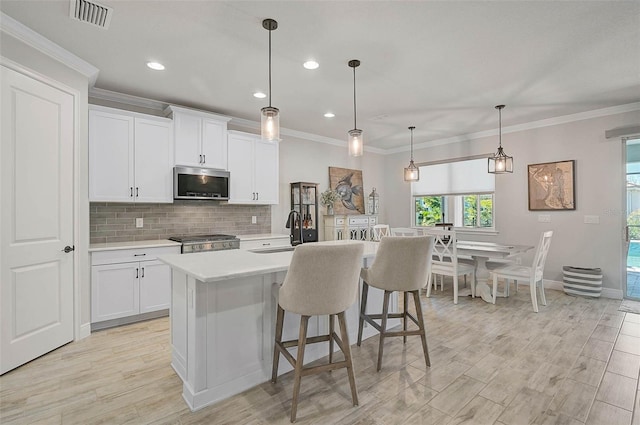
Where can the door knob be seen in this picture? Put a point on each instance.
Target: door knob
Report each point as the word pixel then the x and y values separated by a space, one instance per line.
pixel 67 249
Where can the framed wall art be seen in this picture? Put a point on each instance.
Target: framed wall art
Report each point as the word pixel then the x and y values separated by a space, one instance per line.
pixel 348 184
pixel 552 186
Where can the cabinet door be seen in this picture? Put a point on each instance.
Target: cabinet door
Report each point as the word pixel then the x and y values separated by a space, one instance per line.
pixel 214 144
pixel 155 286
pixel 153 161
pixel 114 291
pixel 188 139
pixel 110 157
pixel 241 169
pixel 266 172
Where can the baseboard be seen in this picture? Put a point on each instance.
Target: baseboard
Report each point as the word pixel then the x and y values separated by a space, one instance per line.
pixel 98 326
pixel 614 294
pixel 85 331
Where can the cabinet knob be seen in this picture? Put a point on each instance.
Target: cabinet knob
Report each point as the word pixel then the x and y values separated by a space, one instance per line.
pixel 131 192
pixel 204 159
pixel 137 273
pixel 136 192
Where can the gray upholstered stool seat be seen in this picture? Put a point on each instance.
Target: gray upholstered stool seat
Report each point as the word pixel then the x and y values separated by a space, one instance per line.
pixel 322 280
pixel 401 264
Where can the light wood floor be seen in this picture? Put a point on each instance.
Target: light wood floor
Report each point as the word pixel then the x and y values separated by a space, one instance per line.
pixel 577 361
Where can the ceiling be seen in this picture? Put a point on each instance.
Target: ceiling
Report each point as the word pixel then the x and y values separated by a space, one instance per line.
pixel 439 66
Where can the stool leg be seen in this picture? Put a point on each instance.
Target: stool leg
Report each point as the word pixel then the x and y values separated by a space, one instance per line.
pixel 347 357
pixel 302 342
pixel 276 348
pixel 363 307
pixel 331 323
pixel 383 324
pixel 406 307
pixel 423 334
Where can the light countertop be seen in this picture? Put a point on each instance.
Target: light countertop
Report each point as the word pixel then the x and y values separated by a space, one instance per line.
pixel 215 266
pixel 112 246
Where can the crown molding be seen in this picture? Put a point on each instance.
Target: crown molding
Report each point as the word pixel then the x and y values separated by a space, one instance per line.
pixel 127 99
pixel 564 119
pixel 33 39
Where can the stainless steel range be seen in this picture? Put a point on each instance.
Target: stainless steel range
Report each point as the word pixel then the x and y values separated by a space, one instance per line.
pixel 200 243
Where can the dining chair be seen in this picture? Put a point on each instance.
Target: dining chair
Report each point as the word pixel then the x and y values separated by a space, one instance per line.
pixel 401 264
pixel 445 261
pixel 404 231
pixel 322 280
pixel 379 231
pixel 533 273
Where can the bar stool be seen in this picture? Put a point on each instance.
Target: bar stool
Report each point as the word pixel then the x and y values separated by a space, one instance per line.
pixel 322 280
pixel 401 264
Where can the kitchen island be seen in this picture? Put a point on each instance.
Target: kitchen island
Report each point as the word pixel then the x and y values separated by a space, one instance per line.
pixel 223 307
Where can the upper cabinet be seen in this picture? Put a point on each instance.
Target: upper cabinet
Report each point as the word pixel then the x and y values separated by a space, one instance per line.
pixel 254 168
pixel 200 138
pixel 130 156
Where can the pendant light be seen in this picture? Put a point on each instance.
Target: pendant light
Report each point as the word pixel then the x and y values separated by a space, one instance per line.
pixel 356 142
pixel 270 121
pixel 411 173
pixel 500 163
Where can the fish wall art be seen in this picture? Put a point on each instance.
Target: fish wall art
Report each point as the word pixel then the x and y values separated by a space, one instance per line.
pixel 348 184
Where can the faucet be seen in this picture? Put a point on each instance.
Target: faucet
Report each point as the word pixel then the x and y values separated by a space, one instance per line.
pixel 290 224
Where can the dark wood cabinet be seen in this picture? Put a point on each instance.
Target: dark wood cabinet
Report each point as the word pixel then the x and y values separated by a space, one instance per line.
pixel 304 200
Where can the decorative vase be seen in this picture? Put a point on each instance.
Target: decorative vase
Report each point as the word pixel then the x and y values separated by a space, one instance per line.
pixel 329 209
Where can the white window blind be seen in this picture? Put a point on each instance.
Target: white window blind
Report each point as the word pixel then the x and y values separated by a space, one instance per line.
pixel 454 178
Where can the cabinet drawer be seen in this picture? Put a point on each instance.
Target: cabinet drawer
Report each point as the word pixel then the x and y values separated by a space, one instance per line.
pixel 264 243
pixel 339 221
pixel 373 221
pixel 358 221
pixel 131 255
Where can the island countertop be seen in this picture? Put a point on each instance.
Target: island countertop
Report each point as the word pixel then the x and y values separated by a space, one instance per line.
pixel 215 266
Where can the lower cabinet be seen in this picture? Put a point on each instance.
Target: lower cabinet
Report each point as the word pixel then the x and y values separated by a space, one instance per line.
pixel 125 284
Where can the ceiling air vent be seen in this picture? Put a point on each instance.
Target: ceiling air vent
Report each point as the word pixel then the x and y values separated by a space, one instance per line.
pixel 91 13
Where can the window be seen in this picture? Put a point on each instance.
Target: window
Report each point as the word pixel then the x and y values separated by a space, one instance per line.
pixel 458 192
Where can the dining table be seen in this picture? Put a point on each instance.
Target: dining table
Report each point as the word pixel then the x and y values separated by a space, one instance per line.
pixel 482 253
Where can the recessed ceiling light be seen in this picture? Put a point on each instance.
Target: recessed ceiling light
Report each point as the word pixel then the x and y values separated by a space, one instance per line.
pixel 156 66
pixel 329 115
pixel 311 64
pixel 259 95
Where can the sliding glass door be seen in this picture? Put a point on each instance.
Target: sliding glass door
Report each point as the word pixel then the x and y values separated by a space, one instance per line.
pixel 632 239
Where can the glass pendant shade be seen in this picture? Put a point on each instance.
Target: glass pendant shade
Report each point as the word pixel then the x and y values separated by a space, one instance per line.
pixel 270 123
pixel 411 173
pixel 500 162
pixel 356 142
pixel 270 116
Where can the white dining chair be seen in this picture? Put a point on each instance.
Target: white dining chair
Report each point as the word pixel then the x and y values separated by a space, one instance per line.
pixel 379 231
pixel 445 261
pixel 404 231
pixel 533 273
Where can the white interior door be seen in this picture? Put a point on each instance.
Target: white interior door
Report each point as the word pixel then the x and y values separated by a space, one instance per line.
pixel 36 218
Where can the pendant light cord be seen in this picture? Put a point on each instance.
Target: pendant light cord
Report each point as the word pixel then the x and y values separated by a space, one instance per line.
pixel 411 128
pixel 500 125
pixel 270 68
pixel 355 125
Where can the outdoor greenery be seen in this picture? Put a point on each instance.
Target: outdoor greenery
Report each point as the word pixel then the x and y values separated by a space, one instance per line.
pixel 633 220
pixel 430 210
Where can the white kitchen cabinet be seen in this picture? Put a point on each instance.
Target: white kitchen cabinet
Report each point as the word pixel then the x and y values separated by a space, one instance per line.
pixel 130 157
pixel 254 168
pixel 200 138
pixel 127 283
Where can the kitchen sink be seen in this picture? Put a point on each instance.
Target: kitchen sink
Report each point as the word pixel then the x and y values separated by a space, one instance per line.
pixel 272 250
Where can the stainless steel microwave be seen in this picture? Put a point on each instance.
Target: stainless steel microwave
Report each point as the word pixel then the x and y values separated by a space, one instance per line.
pixel 200 183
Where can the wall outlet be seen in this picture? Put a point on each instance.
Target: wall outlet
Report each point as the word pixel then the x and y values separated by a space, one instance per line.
pixel 592 219
pixel 544 218
pixel 139 222
pixel 254 219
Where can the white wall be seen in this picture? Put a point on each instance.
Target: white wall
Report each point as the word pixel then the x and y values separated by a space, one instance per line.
pixel 599 191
